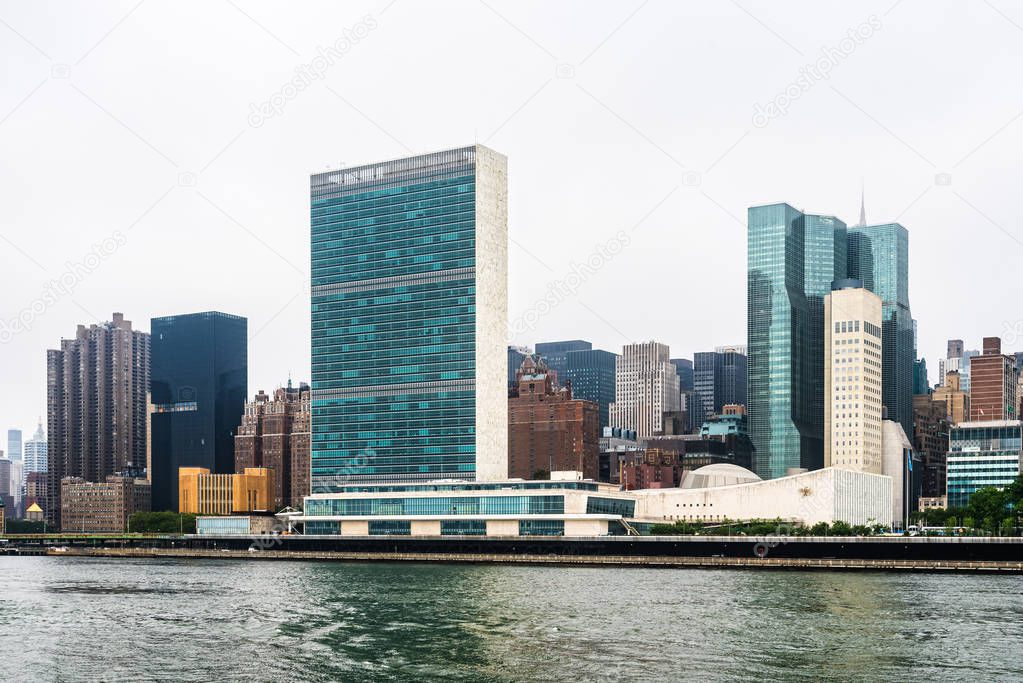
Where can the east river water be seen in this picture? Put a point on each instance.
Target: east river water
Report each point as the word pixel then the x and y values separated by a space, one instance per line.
pixel 71 619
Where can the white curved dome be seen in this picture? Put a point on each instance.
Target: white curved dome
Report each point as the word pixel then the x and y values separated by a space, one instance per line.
pixel 720 474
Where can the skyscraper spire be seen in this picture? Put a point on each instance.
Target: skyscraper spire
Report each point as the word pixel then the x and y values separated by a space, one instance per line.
pixel 863 207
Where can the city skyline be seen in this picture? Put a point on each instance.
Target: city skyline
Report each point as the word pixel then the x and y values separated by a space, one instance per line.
pixel 215 192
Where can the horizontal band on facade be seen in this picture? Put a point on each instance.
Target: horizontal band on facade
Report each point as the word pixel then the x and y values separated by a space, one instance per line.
pixel 397 281
pixel 396 389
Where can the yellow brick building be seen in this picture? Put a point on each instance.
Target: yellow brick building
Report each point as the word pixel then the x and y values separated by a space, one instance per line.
pixel 203 493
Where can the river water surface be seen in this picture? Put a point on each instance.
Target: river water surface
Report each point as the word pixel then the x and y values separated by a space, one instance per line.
pixel 75 619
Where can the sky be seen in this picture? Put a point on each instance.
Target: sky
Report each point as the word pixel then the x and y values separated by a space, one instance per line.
pixel 155 157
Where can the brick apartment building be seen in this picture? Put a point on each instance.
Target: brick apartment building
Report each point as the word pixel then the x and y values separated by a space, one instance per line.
pixel 275 434
pixel 548 430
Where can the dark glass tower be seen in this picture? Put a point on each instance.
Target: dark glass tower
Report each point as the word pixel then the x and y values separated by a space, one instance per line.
pixel 592 374
pixel 879 256
pixel 198 385
pixel 685 372
pixel 720 378
pixel 409 320
pixel 553 354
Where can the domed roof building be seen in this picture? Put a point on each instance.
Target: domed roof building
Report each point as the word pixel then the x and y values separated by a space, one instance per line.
pixel 720 474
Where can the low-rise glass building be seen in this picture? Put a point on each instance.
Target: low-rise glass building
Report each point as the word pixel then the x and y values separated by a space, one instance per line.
pixel 982 454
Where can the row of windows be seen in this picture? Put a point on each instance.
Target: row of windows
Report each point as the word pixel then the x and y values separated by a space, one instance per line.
pixel 440 505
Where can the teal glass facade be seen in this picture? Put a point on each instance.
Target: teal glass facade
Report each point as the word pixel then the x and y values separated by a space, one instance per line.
pixel 982 454
pixel 596 505
pixel 790 255
pixel 463 527
pixel 879 256
pixel 541 527
pixel 435 506
pixel 793 260
pixel 393 321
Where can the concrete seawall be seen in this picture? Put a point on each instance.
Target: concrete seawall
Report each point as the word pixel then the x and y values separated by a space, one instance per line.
pixel 777 563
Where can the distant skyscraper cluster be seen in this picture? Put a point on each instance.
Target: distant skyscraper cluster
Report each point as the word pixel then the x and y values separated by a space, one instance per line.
pixel 413 381
pixel 794 259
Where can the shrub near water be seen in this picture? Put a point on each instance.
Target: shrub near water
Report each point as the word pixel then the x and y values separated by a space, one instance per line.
pixel 762 527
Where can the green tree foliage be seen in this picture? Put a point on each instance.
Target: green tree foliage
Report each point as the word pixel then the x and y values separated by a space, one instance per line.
pixel 762 527
pixel 162 523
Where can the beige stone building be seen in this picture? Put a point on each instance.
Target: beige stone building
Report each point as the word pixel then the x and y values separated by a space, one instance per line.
pixel 852 379
pixel 957 400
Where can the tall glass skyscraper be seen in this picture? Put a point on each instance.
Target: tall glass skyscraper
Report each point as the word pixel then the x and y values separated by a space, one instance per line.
pixel 409 320
pixel 592 374
pixel 792 260
pixel 879 256
pixel 198 387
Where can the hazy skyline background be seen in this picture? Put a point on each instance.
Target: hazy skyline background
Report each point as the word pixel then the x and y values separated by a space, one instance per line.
pixel 142 124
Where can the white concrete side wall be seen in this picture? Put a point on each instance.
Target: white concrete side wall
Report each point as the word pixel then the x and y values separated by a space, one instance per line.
pixel 827 495
pixel 429 527
pixel 502 527
pixel 354 528
pixel 585 527
pixel 893 462
pixel 491 315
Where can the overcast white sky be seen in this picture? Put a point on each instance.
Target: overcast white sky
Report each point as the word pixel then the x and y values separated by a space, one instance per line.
pixel 134 121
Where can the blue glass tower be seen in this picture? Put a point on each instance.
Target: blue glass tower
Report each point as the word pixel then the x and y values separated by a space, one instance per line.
pixel 409 320
pixel 879 256
pixel 592 374
pixel 198 386
pixel 554 354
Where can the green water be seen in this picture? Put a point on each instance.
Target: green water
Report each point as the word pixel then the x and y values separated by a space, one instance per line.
pixel 75 619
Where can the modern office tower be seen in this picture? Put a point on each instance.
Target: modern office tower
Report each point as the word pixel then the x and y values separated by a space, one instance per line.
pixel 955 348
pixel 852 378
pixel 982 454
pixel 720 378
pixel 793 258
pixel 994 381
pixel 14 445
pixel 548 429
pixel 90 507
pixel 921 384
pixel 96 387
pixel 554 353
pixel 34 452
pixel 646 387
pixel 198 391
pixel 516 354
pixel 274 434
pixel 409 320
pixel 879 256
pixel 956 400
pixel 6 479
pixel 14 453
pixel 592 374
pixel 685 371
pixel 930 440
